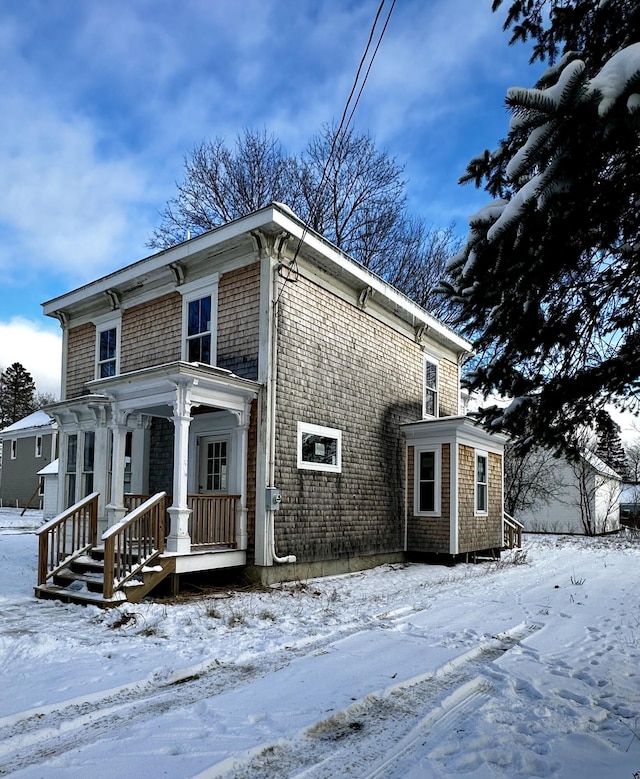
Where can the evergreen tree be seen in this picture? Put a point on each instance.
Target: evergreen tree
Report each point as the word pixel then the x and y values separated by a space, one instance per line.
pixel 610 448
pixel 547 282
pixel 17 390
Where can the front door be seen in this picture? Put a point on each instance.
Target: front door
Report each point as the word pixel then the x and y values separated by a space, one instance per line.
pixel 213 470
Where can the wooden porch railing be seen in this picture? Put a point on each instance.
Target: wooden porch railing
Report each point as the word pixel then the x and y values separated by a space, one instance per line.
pixel 213 520
pixel 133 543
pixel 512 532
pixel 67 536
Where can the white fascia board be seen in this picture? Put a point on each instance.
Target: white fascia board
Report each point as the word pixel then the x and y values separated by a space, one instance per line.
pixel 462 429
pixel 161 260
pixel 365 277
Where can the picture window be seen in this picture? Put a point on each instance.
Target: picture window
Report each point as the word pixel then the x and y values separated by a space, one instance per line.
pixel 319 448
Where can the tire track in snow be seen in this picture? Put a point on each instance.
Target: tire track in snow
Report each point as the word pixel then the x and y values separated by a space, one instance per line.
pixel 362 740
pixel 30 737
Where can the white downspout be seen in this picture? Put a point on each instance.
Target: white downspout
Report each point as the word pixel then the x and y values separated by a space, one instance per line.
pixel 273 369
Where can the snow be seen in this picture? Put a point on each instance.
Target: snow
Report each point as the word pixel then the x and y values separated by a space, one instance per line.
pixel 526 667
pixel 614 79
pixel 37 419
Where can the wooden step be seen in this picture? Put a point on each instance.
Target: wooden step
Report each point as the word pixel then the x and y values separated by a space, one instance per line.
pixel 81 597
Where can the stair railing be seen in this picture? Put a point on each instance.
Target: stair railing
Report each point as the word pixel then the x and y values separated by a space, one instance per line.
pixel 67 536
pixel 133 543
pixel 512 532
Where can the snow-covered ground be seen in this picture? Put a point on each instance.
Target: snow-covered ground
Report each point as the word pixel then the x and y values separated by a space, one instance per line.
pixel 516 669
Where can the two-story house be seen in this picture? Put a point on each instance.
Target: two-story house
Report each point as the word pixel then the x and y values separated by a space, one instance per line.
pixel 301 415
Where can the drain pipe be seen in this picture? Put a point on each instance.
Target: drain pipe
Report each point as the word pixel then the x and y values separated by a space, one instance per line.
pixel 272 413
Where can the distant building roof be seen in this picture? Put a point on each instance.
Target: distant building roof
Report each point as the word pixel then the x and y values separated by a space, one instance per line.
pixel 52 468
pixel 37 419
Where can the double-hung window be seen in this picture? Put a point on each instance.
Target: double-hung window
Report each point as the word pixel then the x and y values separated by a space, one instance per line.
pixel 482 483
pixel 107 345
pixel 427 481
pixel 430 388
pixel 199 318
pixel 14 449
pixel 38 446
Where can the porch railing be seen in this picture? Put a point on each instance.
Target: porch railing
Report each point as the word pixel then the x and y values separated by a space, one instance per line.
pixel 67 536
pixel 213 520
pixel 133 543
pixel 512 532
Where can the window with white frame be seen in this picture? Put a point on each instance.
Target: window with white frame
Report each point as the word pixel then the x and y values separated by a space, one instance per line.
pixel 70 470
pixel 38 446
pixel 427 481
pixel 199 318
pixel 482 483
pixel 14 448
pixel 88 455
pixel 430 388
pixel 107 345
pixel 319 448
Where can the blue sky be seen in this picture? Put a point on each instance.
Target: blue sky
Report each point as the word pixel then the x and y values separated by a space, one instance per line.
pixel 101 99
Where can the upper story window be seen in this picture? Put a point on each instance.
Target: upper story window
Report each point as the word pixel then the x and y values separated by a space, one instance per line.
pixel 199 330
pixel 14 448
pixel 430 388
pixel 482 483
pixel 107 345
pixel 427 482
pixel 38 446
pixel 199 318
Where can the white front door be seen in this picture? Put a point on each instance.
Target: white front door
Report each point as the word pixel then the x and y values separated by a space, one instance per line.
pixel 213 470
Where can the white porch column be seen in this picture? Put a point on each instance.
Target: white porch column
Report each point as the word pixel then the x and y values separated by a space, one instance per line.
pixel 241 445
pixel 115 508
pixel 179 540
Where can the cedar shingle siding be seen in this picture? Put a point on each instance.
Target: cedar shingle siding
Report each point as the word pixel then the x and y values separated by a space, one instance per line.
pixel 151 333
pixel 340 368
pixel 238 323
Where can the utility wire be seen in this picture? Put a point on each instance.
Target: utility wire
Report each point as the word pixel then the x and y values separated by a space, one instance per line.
pixel 343 127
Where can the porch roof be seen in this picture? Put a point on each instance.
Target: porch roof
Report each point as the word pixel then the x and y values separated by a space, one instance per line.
pixel 153 389
pixel 463 429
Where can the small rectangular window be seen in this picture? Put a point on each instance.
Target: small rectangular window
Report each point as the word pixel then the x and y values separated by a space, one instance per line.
pixel 14 449
pixel 430 390
pixel 38 446
pixel 319 448
pixel 482 483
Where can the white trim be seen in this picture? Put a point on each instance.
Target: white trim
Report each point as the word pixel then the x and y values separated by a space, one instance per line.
pixel 196 290
pixel 38 447
pixel 477 454
pixel 454 497
pixel 326 432
pixel 437 478
pixel 14 448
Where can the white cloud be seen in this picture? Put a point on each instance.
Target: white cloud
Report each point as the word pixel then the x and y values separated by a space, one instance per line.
pixel 39 350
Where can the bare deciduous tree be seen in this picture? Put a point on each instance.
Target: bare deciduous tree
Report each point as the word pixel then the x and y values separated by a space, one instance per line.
pixel 341 186
pixel 531 479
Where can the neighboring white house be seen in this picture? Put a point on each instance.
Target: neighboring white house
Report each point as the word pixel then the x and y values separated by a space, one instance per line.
pixel 585 500
pixel 49 482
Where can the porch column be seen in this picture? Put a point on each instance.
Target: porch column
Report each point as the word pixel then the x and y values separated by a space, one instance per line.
pixel 241 435
pixel 115 509
pixel 179 540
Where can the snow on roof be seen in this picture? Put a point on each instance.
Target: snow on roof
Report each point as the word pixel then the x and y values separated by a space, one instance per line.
pixel 598 464
pixel 37 419
pixel 52 468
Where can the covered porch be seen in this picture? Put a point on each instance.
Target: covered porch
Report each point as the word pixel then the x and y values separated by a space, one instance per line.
pixel 178 435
